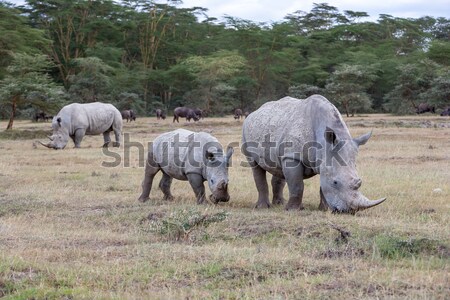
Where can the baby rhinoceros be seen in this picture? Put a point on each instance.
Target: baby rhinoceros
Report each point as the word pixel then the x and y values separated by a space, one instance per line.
pixel 192 156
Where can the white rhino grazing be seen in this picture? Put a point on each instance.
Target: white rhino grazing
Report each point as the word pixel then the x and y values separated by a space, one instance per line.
pixel 296 139
pixel 77 120
pixel 193 156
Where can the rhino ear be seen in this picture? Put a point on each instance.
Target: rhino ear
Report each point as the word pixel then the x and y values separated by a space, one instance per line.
pixel 209 155
pixel 330 136
pixel 361 140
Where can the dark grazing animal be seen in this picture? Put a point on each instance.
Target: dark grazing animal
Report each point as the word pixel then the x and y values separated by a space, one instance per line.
pixel 77 120
pixel 296 139
pixel 42 116
pixel 446 112
pixel 237 114
pixel 184 112
pixel 424 107
pixel 199 113
pixel 160 114
pixel 193 156
pixel 128 115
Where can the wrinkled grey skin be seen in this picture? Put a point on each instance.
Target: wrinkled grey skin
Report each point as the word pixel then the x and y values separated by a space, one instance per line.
pixel 128 115
pixel 160 114
pixel 446 112
pixel 77 120
pixel 184 112
pixel 424 107
pixel 237 114
pixel 299 122
pixel 198 163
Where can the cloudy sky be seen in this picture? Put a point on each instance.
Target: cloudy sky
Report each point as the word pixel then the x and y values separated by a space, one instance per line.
pixel 275 10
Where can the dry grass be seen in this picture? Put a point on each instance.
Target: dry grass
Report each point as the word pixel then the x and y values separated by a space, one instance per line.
pixel 70 228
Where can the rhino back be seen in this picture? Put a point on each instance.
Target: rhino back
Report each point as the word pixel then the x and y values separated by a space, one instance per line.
pixel 95 117
pixel 178 161
pixel 290 120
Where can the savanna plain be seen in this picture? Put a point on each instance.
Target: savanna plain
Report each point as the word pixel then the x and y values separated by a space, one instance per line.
pixel 72 228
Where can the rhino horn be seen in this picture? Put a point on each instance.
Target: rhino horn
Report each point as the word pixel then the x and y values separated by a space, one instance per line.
pixel 364 203
pixel 50 137
pixel 49 145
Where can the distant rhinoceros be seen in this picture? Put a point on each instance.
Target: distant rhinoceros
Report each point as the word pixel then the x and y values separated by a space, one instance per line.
pixel 200 114
pixel 77 120
pixel 128 114
pixel 186 155
pixel 184 112
pixel 160 114
pixel 296 139
pixel 425 107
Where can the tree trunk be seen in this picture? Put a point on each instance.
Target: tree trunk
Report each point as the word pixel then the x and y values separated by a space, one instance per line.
pixel 13 113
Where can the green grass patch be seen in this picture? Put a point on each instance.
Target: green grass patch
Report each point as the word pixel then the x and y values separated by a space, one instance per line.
pixel 395 247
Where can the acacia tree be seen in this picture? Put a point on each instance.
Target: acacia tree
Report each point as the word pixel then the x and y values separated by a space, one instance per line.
pixel 213 72
pixel 27 76
pixel 347 87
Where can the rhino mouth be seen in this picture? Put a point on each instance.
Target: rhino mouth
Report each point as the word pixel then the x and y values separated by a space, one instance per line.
pixel 217 199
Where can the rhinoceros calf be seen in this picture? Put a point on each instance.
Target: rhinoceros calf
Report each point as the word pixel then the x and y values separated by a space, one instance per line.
pixel 296 139
pixel 186 155
pixel 77 120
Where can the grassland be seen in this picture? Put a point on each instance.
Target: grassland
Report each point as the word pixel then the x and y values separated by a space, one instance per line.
pixel 72 229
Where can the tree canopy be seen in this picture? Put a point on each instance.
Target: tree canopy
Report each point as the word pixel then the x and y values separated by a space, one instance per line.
pixel 143 54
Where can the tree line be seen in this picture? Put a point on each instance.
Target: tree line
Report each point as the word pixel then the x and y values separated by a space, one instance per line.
pixel 144 55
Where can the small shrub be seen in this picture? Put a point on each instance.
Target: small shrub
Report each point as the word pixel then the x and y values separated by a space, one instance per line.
pixel 180 224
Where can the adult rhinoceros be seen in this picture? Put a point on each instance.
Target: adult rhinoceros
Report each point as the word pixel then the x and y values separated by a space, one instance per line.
pixel 192 156
pixel 77 120
pixel 296 139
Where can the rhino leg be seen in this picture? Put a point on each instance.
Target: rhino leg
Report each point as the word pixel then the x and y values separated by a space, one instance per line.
pixel 277 190
pixel 78 136
pixel 259 175
pixel 294 180
pixel 106 139
pixel 117 137
pixel 197 185
pixel 164 185
pixel 323 206
pixel 151 168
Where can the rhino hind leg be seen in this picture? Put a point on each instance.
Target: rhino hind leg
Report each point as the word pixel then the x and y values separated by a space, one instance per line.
pixel 294 180
pixel 277 189
pixel 323 206
pixel 106 139
pixel 151 168
pixel 164 185
pixel 196 182
pixel 259 175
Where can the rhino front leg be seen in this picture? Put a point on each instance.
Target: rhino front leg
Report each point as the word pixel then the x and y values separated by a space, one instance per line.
pixel 151 168
pixel 164 185
pixel 293 172
pixel 197 185
pixel 323 206
pixel 78 136
pixel 259 175
pixel 277 190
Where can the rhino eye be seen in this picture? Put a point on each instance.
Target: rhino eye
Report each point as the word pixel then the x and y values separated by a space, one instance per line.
pixel 212 181
pixel 335 182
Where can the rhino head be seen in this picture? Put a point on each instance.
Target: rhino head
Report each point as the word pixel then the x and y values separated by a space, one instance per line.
pixel 60 136
pixel 339 180
pixel 217 174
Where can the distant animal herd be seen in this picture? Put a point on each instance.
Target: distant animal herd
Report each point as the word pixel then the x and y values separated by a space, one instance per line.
pixel 288 125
